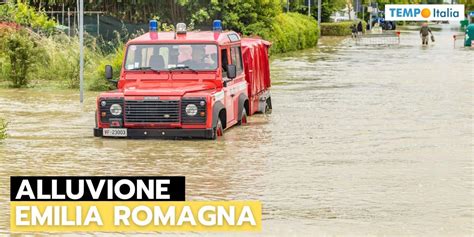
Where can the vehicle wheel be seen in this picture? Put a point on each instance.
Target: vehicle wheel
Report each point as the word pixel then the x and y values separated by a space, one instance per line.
pixel 268 106
pixel 243 118
pixel 218 130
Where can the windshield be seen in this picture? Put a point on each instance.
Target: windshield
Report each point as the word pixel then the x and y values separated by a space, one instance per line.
pixel 171 57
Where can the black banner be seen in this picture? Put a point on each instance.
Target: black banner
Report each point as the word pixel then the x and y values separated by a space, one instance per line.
pixel 97 188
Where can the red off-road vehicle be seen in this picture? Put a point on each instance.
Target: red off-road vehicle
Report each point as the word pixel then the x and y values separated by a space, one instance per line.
pixel 185 84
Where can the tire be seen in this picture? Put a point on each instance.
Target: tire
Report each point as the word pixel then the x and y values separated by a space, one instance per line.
pixel 218 131
pixel 95 116
pixel 268 106
pixel 243 117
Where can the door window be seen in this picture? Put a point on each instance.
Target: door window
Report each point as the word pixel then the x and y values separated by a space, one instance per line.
pixel 237 59
pixel 224 62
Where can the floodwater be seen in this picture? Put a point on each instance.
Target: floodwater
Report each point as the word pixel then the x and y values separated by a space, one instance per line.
pixel 362 140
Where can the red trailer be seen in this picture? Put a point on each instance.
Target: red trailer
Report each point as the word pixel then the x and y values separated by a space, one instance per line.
pixel 185 84
pixel 257 74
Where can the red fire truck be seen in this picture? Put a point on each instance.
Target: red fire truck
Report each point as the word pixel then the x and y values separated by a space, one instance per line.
pixel 185 84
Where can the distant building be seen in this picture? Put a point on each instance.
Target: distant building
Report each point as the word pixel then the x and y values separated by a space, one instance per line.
pixel 343 15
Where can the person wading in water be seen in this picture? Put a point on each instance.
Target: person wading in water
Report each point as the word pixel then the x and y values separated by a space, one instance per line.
pixel 359 28
pixel 354 31
pixel 425 31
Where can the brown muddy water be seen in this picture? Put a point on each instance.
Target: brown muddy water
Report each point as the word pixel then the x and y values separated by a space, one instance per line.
pixel 363 140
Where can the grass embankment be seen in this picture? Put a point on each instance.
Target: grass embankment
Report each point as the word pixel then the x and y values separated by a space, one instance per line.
pixel 339 28
pixel 3 129
pixel 290 32
pixel 30 59
pixel 34 53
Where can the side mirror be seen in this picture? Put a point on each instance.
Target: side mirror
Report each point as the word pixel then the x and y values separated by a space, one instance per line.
pixel 231 71
pixel 108 72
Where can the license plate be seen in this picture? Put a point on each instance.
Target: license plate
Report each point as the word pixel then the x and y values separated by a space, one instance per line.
pixel 114 132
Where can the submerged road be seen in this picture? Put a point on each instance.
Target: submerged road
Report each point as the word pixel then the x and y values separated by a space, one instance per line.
pixel 362 140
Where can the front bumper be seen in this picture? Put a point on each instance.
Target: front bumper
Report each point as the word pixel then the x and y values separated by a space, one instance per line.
pixel 163 133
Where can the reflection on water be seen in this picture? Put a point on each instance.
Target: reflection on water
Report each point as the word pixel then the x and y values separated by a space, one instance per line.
pixel 362 140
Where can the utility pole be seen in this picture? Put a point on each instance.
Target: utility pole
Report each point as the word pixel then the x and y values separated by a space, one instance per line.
pixel 98 23
pixel 309 7
pixel 68 22
pixel 319 12
pixel 81 48
pixel 62 15
pixel 370 14
pixel 363 10
pixel 287 6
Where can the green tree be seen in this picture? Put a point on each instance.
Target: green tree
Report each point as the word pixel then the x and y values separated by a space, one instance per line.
pixel 235 14
pixel 328 7
pixel 243 15
pixel 22 54
pixel 468 4
pixel 28 16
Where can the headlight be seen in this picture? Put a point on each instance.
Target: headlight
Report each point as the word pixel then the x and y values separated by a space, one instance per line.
pixel 191 109
pixel 116 109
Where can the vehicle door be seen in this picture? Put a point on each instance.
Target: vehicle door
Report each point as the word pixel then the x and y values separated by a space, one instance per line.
pixel 238 85
pixel 228 85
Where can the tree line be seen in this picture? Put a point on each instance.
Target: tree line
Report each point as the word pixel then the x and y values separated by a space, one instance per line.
pixel 239 15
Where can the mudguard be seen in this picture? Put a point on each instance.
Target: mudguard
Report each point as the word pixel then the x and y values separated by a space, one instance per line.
pixel 242 99
pixel 218 106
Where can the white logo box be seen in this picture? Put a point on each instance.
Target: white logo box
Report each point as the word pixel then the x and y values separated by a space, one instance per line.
pixel 413 12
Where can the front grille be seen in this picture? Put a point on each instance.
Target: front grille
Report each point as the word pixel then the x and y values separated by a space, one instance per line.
pixel 152 111
pixel 106 109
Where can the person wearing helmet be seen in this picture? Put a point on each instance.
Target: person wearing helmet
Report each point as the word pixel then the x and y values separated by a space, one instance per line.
pixel 425 31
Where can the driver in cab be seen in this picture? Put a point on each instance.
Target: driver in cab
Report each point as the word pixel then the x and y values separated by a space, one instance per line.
pixel 199 59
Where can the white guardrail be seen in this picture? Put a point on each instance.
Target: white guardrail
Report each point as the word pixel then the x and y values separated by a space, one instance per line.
pixel 385 38
pixel 459 36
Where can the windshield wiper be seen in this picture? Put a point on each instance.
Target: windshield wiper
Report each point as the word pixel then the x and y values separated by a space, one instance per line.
pixel 182 68
pixel 144 69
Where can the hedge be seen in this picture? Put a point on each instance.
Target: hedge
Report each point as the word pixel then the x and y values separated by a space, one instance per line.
pixel 289 32
pixel 339 28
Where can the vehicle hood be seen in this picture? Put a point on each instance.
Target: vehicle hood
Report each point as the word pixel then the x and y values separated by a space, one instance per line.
pixel 168 88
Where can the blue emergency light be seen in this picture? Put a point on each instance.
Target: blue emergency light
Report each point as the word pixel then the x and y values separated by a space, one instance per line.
pixel 153 25
pixel 217 25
